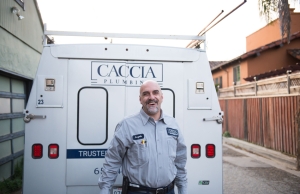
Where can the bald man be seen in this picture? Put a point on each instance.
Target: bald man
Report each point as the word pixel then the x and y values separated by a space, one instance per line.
pixel 150 148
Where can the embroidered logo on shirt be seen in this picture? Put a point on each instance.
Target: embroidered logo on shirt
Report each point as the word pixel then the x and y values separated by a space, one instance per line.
pixel 138 136
pixel 173 132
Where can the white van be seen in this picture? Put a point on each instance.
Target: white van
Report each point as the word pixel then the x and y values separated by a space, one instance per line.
pixel 82 91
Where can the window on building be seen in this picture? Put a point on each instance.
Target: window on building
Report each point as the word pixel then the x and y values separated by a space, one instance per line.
pixel 236 75
pixel 218 82
pixel 21 3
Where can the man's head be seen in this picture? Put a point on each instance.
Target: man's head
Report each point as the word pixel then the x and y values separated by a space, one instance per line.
pixel 151 98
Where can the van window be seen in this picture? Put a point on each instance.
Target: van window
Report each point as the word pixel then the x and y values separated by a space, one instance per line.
pixel 92 116
pixel 168 105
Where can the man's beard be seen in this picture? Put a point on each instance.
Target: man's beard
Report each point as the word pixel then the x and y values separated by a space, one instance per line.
pixel 152 110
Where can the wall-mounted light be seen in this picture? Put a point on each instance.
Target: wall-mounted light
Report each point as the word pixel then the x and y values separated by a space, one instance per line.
pixel 16 11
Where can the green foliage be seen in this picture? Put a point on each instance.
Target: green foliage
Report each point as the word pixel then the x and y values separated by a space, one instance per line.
pixel 10 185
pixel 270 9
pixel 217 87
pixel 19 170
pixel 13 183
pixel 226 134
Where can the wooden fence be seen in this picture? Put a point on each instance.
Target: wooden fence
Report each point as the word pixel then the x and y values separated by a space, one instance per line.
pixel 269 122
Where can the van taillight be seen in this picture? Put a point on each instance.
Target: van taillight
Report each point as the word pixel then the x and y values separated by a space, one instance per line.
pixel 195 151
pixel 210 151
pixel 53 151
pixel 37 151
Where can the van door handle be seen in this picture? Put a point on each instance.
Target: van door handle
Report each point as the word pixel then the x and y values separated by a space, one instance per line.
pixel 219 119
pixel 28 117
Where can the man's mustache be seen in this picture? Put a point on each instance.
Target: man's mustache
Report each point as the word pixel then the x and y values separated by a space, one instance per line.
pixel 151 101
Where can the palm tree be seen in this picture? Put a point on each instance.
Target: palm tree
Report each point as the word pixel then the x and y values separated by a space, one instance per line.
pixel 267 9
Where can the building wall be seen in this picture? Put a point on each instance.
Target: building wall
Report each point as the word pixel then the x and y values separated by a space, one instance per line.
pixel 227 73
pixel 244 71
pixel 273 59
pixel 16 56
pixel 20 40
pixel 222 74
pixel 271 33
pixel 29 29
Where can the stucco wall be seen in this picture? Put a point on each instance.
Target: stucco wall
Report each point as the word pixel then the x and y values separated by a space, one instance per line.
pixel 16 56
pixel 270 33
pixel 273 59
pixel 227 73
pixel 244 71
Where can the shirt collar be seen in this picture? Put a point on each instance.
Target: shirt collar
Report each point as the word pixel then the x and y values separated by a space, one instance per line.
pixel 145 117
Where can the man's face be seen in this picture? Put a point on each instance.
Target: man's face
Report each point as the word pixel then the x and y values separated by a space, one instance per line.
pixel 151 98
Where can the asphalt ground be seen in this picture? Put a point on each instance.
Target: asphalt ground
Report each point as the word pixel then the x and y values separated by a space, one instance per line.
pixel 247 173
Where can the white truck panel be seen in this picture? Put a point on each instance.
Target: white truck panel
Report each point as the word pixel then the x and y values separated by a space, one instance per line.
pixel 47 173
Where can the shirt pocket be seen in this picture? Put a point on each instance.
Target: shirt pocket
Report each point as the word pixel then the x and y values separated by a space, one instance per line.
pixel 141 153
pixel 172 147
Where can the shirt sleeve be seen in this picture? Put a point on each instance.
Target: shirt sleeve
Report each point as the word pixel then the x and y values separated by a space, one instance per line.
pixel 113 160
pixel 180 162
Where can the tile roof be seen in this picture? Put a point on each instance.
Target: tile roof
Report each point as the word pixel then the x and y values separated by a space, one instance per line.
pixel 295 53
pixel 215 63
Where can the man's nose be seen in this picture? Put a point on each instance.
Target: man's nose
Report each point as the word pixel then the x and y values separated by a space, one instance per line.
pixel 151 96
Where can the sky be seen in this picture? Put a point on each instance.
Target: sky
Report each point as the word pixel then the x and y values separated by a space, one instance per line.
pixel 224 41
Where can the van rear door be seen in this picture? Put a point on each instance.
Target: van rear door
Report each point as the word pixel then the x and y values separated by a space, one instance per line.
pixel 93 113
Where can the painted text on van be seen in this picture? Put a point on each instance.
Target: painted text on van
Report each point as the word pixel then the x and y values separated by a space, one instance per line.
pixel 127 74
pixel 85 153
pixel 125 71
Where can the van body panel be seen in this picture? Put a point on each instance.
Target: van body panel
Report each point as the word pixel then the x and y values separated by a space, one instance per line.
pixel 84 92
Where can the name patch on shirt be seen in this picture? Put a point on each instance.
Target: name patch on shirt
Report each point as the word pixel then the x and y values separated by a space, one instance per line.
pixel 173 132
pixel 138 136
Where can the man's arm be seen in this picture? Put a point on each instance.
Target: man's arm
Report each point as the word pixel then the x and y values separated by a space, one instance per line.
pixel 113 161
pixel 180 162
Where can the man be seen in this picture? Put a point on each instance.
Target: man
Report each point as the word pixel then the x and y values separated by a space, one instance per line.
pixel 150 148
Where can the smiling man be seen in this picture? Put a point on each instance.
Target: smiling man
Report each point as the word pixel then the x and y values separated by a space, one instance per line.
pixel 150 148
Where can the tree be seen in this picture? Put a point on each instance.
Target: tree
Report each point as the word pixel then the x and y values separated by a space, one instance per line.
pixel 280 8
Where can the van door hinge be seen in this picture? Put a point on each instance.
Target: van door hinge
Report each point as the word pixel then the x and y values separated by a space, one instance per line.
pixel 219 119
pixel 28 117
